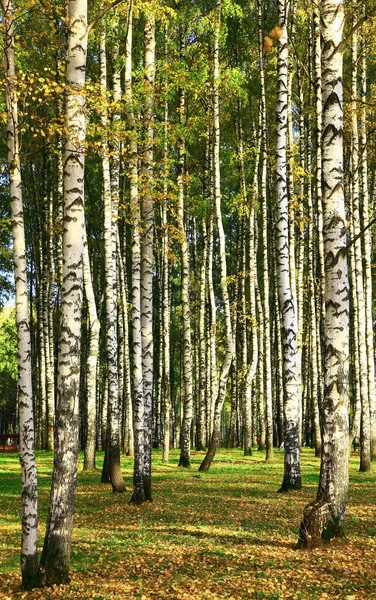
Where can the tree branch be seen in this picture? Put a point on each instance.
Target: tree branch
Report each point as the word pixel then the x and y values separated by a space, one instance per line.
pixel 102 13
pixel 362 232
pixel 354 28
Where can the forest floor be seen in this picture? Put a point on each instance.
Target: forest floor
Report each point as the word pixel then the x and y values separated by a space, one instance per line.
pixel 224 534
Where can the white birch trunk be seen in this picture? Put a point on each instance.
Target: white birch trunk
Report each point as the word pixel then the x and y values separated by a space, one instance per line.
pixel 56 550
pixel 110 242
pixel 265 250
pixel 147 214
pixel 367 248
pixel 358 291
pixel 92 360
pixel 333 485
pixel 29 550
pixel 292 479
pixel 166 376
pixel 128 426
pixel 185 435
pixel 226 364
pixel 138 390
pixel 201 438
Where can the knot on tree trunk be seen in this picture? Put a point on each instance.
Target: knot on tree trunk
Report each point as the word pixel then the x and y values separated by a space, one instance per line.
pixel 316 516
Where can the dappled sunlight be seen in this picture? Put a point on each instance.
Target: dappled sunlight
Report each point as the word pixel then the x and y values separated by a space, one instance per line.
pixel 223 534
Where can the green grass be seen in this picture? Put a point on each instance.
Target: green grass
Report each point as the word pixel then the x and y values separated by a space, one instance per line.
pixel 225 534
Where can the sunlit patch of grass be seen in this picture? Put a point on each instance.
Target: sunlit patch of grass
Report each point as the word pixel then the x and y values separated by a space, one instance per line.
pixel 226 533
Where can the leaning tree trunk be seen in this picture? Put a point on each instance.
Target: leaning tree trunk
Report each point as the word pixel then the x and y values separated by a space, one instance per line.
pixel 291 479
pixel 205 465
pixel 29 551
pixel 56 551
pixel 326 515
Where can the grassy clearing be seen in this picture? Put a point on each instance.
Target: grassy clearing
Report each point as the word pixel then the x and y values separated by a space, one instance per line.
pixel 225 534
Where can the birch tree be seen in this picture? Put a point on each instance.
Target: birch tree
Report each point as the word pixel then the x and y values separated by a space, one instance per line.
pixel 226 364
pixel 110 243
pixel 29 551
pixel 287 302
pixel 185 437
pixel 56 550
pixel 327 514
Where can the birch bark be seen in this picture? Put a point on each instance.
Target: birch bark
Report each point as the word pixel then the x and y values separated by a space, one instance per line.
pixel 185 436
pixel 291 479
pixel 226 364
pixel 333 485
pixel 92 360
pixel 29 551
pixel 56 551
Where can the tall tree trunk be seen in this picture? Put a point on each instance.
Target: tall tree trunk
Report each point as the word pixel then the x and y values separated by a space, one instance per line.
pixel 92 360
pixel 143 256
pixel 367 245
pixel 330 505
pixel 138 388
pixel 319 206
pixel 313 316
pixel 29 551
pixel 56 551
pixel 358 286
pixel 110 242
pixel 128 420
pixel 205 465
pixel 212 337
pixel 201 438
pixel 147 213
pixel 265 250
pixel 187 407
pixel 291 479
pixel 166 376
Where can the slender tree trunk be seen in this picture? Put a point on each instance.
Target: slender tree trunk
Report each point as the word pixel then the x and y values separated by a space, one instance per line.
pixel 203 377
pixel 187 407
pixel 128 425
pixel 367 247
pixel 29 550
pixel 265 253
pixel 138 389
pixel 166 376
pixel 212 338
pixel 360 324
pixel 48 317
pixel 147 213
pixel 205 465
pixel 319 206
pixel 92 360
pixel 56 551
pixel 313 317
